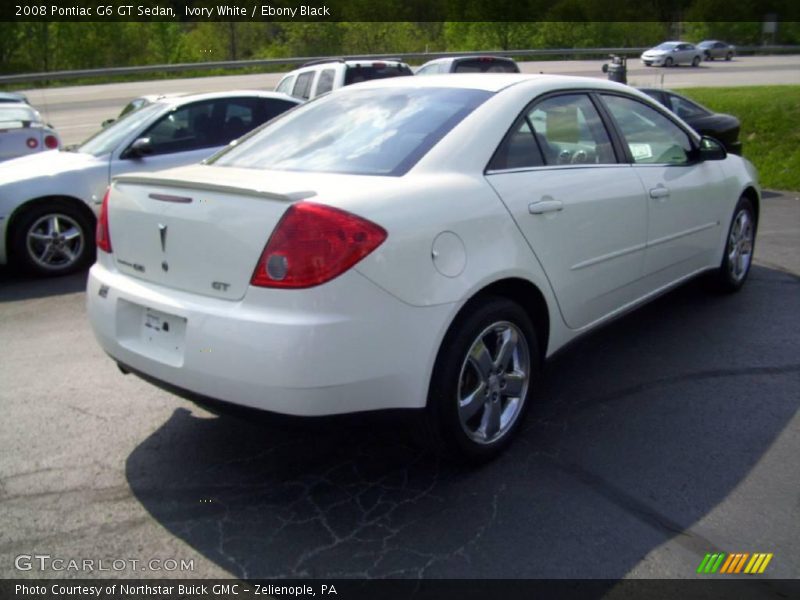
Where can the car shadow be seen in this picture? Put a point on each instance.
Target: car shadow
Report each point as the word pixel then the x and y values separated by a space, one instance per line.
pixel 15 286
pixel 640 430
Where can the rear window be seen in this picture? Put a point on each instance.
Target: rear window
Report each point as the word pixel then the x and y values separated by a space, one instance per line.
pixel 16 114
pixel 485 65
pixel 366 132
pixel 378 70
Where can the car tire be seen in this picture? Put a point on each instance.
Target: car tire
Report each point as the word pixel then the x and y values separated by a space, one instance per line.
pixel 708 56
pixel 471 365
pixel 729 56
pixel 696 61
pixel 739 246
pixel 668 62
pixel 53 238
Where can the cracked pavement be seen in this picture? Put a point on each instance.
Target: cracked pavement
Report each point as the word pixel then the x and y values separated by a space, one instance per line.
pixel 668 434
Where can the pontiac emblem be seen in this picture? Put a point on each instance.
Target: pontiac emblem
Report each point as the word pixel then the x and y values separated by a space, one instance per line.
pixel 162 231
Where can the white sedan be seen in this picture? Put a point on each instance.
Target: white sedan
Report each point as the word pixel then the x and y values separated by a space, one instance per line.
pixel 48 201
pixel 672 54
pixel 416 243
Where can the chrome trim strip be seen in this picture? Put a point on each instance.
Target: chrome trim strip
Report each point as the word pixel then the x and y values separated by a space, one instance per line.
pixel 555 168
pixel 610 256
pixel 680 234
pixel 617 253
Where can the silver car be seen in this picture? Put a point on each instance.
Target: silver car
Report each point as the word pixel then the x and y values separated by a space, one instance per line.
pixel 47 201
pixel 715 49
pixel 672 54
pixel 23 132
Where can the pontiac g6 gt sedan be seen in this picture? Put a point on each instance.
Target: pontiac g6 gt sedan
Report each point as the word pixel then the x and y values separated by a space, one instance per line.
pixel 418 243
pixel 48 200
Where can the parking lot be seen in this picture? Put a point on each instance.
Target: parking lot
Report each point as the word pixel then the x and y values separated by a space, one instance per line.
pixel 671 433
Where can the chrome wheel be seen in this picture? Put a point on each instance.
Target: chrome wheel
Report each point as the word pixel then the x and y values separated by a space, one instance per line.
pixel 740 246
pixel 493 382
pixel 55 241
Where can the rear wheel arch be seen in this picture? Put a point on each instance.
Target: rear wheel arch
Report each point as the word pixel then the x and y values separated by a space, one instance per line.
pixel 522 292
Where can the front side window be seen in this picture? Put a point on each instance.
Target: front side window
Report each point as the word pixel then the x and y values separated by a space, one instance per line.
pixel 651 137
pixel 569 130
pixel 382 131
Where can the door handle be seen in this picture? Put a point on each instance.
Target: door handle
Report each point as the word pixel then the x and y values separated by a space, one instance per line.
pixel 545 206
pixel 659 192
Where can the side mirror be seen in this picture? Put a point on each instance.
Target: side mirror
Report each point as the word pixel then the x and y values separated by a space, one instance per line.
pixel 604 69
pixel 711 149
pixel 139 148
pixel 107 122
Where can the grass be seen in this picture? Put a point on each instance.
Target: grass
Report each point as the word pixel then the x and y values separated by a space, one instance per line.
pixel 770 117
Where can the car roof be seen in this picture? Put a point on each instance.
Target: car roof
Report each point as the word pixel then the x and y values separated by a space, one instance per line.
pixel 495 82
pixel 179 99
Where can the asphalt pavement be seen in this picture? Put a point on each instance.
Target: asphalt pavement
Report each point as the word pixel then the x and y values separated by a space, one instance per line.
pixel 78 111
pixel 668 434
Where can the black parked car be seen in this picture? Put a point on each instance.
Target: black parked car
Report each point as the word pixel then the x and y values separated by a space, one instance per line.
pixel 720 126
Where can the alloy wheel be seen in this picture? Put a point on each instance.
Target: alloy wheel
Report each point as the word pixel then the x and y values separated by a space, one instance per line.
pixel 55 241
pixel 740 245
pixel 493 382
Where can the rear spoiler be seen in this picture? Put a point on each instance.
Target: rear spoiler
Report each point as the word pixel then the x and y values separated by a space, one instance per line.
pixel 208 186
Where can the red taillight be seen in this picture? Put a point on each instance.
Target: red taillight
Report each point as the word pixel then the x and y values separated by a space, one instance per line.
pixel 313 244
pixel 378 65
pixel 103 235
pixel 51 142
pixel 32 143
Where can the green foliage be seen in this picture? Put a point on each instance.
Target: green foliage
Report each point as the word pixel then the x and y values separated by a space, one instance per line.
pixel 770 117
pixel 27 47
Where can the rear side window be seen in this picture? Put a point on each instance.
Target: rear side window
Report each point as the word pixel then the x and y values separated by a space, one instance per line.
pixel 686 109
pixel 485 65
pixel 302 87
pixel 381 131
pixel 377 70
pixel 325 83
pixel 244 114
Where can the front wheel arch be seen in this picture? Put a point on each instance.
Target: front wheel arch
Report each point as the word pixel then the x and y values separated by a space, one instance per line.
pixel 18 214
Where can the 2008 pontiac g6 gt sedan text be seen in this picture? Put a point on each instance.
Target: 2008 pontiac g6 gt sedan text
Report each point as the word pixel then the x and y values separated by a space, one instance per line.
pixel 414 243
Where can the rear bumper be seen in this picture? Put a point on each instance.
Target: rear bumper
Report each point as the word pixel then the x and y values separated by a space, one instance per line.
pixel 346 346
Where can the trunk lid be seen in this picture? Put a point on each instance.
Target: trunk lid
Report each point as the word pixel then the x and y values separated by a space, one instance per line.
pixel 14 141
pixel 199 229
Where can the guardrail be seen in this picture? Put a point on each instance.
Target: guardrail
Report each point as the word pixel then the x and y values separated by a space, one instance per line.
pixel 267 62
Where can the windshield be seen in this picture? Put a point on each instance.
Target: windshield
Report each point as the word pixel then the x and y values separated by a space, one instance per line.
pixel 666 46
pixel 106 140
pixel 367 132
pixel 10 113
